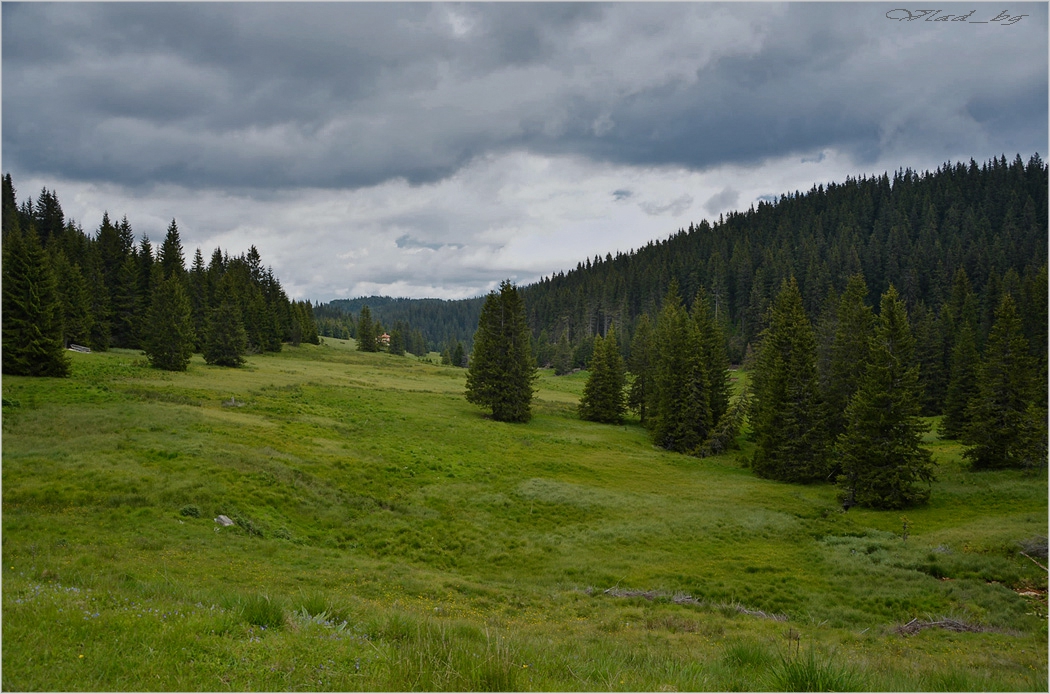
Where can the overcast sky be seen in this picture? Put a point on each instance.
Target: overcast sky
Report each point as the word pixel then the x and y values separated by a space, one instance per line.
pixel 435 149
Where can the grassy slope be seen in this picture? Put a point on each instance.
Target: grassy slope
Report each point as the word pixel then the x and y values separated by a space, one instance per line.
pixel 391 537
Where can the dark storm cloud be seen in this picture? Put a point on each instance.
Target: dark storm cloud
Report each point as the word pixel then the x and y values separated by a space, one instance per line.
pixel 253 96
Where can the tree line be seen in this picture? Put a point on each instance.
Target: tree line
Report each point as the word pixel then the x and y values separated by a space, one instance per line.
pixel 914 231
pixel 437 323
pixel 62 286
pixel 839 382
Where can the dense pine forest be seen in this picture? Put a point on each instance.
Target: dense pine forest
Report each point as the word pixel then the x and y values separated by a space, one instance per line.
pixel 937 237
pixel 63 287
pixel 909 230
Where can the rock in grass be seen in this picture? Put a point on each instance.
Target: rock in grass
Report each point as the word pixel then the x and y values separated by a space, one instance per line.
pixel 224 521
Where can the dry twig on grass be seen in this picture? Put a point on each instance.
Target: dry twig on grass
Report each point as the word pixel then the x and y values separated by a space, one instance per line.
pixel 915 626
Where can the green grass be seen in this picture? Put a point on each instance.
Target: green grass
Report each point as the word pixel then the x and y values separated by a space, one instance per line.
pixel 389 536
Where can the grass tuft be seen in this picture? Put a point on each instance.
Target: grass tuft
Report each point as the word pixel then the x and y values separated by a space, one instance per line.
pixel 809 671
pixel 262 611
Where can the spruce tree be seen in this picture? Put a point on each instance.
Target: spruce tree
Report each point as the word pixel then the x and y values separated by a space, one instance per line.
pixel 501 367
pixel 32 321
pixel 225 342
pixel 883 463
pixel 563 356
pixel 98 296
pixel 74 299
pixel 125 306
pixel 641 364
pixel 366 335
pixel 1000 411
pixel 681 414
pixel 929 354
pixel 310 325
pixel 962 386
pixel 170 257
pixel 787 412
pixel 849 351
pixel 169 337
pixel 713 354
pixel 603 397
pixel 397 340
pixel 198 292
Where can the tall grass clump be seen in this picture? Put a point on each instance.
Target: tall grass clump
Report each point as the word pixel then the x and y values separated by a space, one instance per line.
pixel 439 658
pixel 262 611
pixel 809 671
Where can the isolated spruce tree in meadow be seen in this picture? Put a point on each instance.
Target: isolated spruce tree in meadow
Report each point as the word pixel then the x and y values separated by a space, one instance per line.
pixel 604 399
pixel 1000 412
pixel 32 311
pixel 786 411
pixel 169 338
pixel 501 370
pixel 641 363
pixel 366 333
pixel 883 462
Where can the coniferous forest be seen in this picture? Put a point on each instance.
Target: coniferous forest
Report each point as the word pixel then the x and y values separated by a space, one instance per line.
pixel 63 287
pixel 915 295
pixel 914 231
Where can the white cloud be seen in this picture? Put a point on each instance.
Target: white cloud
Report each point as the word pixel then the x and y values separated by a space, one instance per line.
pixel 515 215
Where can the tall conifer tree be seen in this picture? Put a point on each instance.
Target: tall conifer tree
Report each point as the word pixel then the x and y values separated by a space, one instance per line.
pixel 225 342
pixel 1000 411
pixel 712 353
pixel 849 351
pixel 787 413
pixel 169 337
pixel 962 386
pixel 603 397
pixel 171 258
pixel 32 324
pixel 501 367
pixel 366 334
pixel 883 462
pixel 641 364
pixel 681 413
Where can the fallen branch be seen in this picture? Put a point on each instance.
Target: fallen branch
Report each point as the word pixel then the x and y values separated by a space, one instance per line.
pixel 915 626
pixel 1036 563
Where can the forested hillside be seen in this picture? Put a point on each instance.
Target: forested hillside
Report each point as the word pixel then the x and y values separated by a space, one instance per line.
pixel 910 230
pixel 440 322
pixel 63 286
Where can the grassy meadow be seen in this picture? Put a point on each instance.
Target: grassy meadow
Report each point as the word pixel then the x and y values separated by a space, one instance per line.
pixel 388 536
